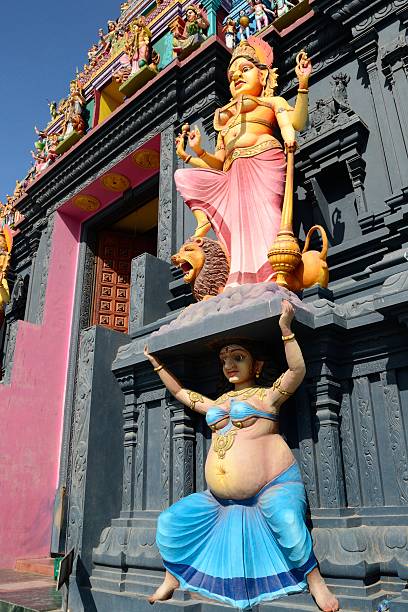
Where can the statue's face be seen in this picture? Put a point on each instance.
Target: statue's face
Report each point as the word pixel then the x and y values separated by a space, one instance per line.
pixel 244 78
pixel 237 364
pixel 191 16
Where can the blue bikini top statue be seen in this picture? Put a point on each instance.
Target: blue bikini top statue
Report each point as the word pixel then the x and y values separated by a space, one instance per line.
pixel 239 412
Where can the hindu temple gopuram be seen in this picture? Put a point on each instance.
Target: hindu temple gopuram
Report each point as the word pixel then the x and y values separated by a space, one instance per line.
pixel 203 313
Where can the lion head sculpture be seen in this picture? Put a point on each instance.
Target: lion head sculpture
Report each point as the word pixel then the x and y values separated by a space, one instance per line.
pixel 205 265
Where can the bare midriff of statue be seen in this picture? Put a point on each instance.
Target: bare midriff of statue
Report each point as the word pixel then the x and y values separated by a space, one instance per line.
pixel 247 452
pixel 258 455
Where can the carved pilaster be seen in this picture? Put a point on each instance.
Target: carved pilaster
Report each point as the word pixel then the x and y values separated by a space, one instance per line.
pixel 306 446
pixel 167 195
pixel 9 347
pixel 80 431
pixel 396 432
pixel 132 446
pixel 200 453
pixel 212 6
pixel 183 452
pixel 366 48
pixel 348 444
pixel 45 264
pixel 367 445
pixel 394 59
pixel 165 448
pixel 325 398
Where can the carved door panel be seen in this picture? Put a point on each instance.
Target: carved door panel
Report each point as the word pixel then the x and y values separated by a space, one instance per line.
pixel 112 278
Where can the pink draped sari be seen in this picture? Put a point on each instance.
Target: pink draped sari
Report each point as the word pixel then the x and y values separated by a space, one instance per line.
pixel 244 207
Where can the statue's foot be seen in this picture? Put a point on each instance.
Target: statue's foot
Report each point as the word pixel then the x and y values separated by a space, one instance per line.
pixel 165 590
pixel 202 230
pixel 323 597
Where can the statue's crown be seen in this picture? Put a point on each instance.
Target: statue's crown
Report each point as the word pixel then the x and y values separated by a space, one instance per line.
pixel 255 49
pixel 193 7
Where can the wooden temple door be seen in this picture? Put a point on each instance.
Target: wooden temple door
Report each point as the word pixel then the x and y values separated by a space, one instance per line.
pixel 111 300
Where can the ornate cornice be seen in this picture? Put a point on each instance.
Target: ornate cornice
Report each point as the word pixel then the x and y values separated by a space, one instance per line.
pixel 394 55
pixel 358 14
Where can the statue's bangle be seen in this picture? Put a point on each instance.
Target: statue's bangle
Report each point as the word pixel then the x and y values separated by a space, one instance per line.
pixel 287 338
pixel 158 368
pixel 303 90
pixel 203 154
pixel 187 159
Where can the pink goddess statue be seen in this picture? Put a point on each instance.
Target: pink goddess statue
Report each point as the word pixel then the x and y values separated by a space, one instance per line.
pixel 238 190
pixel 244 540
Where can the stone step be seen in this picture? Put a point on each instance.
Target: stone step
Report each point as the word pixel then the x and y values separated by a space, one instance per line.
pixel 23 592
pixel 43 566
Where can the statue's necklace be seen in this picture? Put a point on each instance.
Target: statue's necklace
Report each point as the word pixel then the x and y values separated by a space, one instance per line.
pixel 223 442
pixel 244 394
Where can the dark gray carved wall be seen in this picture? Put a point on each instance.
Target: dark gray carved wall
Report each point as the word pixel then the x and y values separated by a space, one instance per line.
pixel 348 424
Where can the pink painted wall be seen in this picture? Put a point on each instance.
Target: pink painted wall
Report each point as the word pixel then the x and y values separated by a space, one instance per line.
pixel 31 409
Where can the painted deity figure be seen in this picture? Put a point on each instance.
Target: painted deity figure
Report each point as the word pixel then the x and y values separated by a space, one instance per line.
pixel 194 32
pixel 138 44
pixel 282 7
pixel 261 18
pixel 40 154
pixel 238 190
pixel 73 108
pixel 138 51
pixel 102 42
pixel 244 540
pixel 53 110
pixel 111 37
pixel 243 30
pixel 230 31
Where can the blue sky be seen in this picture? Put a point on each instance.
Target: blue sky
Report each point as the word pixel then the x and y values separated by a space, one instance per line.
pixel 41 44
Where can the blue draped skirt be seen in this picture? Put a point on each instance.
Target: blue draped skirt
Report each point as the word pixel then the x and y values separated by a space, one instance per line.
pixel 240 552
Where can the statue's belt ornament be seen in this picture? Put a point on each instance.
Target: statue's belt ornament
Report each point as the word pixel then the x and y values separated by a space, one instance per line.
pixel 273 143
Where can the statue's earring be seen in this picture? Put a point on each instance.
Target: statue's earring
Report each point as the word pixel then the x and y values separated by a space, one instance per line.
pixel 257 375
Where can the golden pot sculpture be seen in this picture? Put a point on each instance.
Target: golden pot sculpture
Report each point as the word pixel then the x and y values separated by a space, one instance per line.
pixel 284 256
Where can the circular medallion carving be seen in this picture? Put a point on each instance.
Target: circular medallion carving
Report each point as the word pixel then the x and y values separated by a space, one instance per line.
pixel 147 158
pixel 115 182
pixel 86 202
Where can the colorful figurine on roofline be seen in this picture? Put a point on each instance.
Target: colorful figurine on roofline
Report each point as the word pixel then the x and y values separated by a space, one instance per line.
pixel 244 540
pixel 139 57
pixel 192 33
pixel 227 191
pixel 238 31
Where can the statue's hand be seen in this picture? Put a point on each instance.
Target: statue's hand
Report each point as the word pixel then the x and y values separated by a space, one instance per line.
pixel 180 150
pixel 286 318
pixel 155 363
pixel 303 68
pixel 194 140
